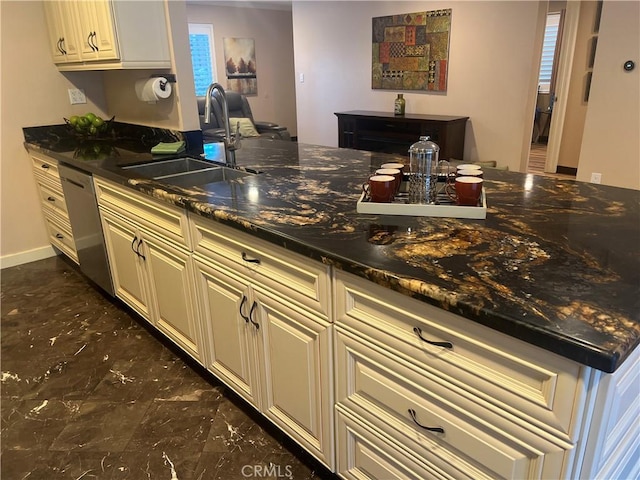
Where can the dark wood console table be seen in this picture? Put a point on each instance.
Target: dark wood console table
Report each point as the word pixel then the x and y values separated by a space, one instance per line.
pixel 389 133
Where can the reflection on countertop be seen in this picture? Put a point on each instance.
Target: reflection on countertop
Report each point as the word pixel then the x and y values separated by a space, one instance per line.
pixel 556 262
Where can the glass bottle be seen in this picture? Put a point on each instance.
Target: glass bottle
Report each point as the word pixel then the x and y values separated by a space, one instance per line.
pixel 423 161
pixel 399 105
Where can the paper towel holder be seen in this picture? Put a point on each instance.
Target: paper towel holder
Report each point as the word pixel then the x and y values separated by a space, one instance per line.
pixel 154 88
pixel 169 77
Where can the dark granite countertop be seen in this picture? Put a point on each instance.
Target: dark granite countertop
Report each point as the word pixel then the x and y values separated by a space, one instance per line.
pixel 556 263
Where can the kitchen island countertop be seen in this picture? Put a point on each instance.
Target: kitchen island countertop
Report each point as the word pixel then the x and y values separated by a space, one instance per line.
pixel 556 262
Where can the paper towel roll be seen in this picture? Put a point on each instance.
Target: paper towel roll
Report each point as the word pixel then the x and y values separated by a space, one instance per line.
pixel 153 89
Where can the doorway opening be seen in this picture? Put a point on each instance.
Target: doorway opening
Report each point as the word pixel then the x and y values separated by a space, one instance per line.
pixel 547 80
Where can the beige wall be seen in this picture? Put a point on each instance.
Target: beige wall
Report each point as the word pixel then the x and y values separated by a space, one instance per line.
pixel 488 81
pixel 492 51
pixel 32 92
pixel 610 144
pixel 272 32
pixel 576 112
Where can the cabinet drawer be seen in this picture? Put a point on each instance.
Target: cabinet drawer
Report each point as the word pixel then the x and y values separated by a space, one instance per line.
pixel 512 376
pixel 45 167
pixel 60 235
pixel 422 408
pixel 52 198
pixel 365 453
pixel 163 219
pixel 288 274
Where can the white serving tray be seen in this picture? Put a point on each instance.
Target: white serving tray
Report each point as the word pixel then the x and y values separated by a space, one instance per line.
pixel 401 207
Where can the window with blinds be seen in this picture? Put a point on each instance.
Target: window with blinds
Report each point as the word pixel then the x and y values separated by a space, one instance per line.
pixel 548 52
pixel 202 56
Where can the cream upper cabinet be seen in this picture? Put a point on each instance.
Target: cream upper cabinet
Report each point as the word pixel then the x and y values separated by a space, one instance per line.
pixel 96 30
pixel 108 34
pixel 62 32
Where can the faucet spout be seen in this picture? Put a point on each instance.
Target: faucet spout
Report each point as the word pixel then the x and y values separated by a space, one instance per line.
pixel 231 141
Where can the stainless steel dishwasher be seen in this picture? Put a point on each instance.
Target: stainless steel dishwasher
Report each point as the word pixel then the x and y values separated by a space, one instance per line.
pixel 85 224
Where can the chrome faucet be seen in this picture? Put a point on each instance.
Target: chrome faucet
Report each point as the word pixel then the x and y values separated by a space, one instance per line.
pixel 231 141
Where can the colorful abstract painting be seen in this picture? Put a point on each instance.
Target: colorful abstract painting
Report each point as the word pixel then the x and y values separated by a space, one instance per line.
pixel 240 65
pixel 411 51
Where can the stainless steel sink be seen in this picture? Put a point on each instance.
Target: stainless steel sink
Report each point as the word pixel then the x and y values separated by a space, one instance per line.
pixel 202 177
pixel 187 172
pixel 163 168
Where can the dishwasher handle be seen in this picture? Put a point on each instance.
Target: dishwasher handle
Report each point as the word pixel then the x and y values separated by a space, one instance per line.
pixel 75 177
pixel 73 182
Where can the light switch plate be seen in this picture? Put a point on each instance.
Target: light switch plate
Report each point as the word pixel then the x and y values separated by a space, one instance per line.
pixel 77 96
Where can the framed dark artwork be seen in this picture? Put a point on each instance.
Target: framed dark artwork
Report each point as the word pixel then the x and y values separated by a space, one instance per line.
pixel 593 45
pixel 598 16
pixel 411 51
pixel 240 65
pixel 587 87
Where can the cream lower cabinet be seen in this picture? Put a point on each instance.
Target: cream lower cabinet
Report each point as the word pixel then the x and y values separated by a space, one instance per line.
pixel 151 270
pixel 224 306
pixel 128 270
pixel 418 392
pixel 423 393
pixel 272 349
pixel 53 203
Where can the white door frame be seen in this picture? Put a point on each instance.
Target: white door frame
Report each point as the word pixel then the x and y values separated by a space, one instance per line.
pixel 565 64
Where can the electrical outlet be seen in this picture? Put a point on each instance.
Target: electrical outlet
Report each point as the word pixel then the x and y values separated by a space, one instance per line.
pixel 596 177
pixel 76 96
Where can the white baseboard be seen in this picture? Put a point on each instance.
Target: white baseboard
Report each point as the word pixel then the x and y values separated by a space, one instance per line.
pixel 21 258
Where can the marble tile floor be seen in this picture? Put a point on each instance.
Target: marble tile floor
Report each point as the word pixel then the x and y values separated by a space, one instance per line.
pixel 88 391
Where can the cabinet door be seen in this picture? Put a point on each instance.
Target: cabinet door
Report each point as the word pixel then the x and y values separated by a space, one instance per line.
pixel 96 30
pixel 295 357
pixel 224 307
pixel 122 242
pixel 169 278
pixel 105 39
pixel 62 33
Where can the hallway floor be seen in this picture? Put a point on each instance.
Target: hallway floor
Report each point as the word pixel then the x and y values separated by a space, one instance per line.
pixel 89 392
pixel 537 159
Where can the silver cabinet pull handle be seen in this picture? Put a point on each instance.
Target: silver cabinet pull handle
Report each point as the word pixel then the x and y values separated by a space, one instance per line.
pixel 250 260
pixel 418 332
pixel 412 412
pixel 255 324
